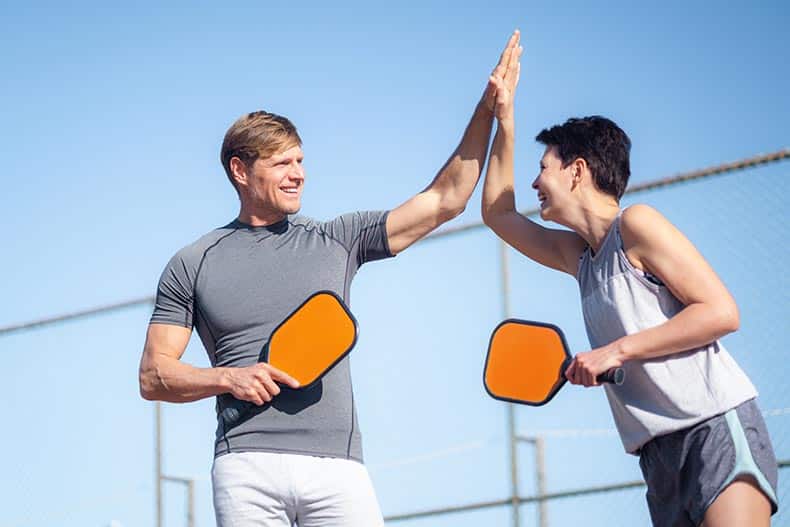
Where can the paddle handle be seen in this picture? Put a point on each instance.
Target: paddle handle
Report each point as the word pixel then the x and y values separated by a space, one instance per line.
pixel 233 414
pixel 613 376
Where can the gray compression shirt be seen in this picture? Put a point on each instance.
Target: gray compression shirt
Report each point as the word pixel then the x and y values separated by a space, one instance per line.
pixel 236 284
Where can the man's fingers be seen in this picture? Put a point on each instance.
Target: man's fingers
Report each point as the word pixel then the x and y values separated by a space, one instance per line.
pixel 271 387
pixel 281 376
pixel 504 58
pixel 510 43
pixel 254 397
pixel 500 91
pixel 500 70
pixel 491 87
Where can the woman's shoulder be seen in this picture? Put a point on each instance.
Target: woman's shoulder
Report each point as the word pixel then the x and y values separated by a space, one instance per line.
pixel 640 222
pixel 638 214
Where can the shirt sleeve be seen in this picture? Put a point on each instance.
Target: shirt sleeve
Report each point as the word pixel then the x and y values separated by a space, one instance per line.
pixel 364 234
pixel 174 302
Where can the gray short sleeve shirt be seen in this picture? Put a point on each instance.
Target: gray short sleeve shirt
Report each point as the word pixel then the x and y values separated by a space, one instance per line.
pixel 237 283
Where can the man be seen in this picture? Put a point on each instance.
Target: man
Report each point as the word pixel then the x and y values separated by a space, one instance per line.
pixel 297 458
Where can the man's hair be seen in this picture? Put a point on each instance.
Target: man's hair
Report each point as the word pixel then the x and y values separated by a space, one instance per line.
pixel 257 135
pixel 600 142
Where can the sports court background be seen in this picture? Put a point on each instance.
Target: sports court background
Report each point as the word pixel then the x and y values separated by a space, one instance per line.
pixel 432 437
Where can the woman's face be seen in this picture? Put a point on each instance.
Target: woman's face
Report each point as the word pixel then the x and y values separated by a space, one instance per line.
pixel 554 185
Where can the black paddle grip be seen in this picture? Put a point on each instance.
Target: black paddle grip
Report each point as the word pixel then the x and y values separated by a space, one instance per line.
pixel 233 414
pixel 613 376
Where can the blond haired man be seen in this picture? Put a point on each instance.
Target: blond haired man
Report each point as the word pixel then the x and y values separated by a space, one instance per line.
pixel 298 458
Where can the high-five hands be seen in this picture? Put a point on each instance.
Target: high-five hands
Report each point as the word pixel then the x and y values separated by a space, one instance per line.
pixel 502 83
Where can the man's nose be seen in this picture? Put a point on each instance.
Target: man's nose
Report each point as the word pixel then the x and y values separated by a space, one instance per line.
pixel 296 172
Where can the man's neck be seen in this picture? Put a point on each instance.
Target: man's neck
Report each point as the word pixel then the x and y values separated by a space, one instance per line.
pixel 260 218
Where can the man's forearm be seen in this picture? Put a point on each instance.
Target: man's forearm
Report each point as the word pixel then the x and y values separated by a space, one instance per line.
pixel 167 379
pixel 449 192
pixel 457 179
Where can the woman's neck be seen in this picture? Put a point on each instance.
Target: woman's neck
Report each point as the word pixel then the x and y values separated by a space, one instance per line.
pixel 593 219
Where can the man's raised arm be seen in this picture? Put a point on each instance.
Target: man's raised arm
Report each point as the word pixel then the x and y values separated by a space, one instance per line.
pixel 447 195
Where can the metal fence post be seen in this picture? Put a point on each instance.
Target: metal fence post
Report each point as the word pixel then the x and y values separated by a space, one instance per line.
pixel 511 412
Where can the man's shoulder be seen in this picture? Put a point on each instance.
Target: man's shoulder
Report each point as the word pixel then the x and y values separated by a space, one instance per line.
pixel 193 252
pixel 304 221
pixel 343 225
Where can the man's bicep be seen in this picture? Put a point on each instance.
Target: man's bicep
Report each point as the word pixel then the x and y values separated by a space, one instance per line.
pixel 174 302
pixel 166 339
pixel 413 220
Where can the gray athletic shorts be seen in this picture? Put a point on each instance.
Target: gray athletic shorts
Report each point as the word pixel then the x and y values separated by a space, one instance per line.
pixel 686 470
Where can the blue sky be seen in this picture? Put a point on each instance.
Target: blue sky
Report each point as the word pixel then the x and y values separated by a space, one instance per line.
pixel 112 122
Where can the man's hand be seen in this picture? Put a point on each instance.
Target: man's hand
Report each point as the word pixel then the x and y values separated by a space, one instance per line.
pixel 258 383
pixel 498 97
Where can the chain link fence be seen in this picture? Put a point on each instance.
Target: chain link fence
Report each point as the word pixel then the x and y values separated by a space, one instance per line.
pixel 433 439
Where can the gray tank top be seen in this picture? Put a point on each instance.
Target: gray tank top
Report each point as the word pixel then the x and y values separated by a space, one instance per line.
pixel 659 395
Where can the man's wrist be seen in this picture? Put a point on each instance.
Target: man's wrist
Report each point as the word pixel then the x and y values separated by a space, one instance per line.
pixel 483 110
pixel 224 379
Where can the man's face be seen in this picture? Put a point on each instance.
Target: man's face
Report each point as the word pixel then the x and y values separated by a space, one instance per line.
pixel 275 183
pixel 553 184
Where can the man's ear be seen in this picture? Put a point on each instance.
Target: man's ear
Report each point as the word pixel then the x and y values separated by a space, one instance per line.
pixel 239 171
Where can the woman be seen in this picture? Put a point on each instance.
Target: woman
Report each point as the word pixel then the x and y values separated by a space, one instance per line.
pixel 653 306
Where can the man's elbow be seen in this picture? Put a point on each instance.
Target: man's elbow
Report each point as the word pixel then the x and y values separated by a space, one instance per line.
pixel 149 384
pixel 449 211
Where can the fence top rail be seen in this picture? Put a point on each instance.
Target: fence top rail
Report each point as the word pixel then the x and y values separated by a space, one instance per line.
pixel 725 168
pixel 734 166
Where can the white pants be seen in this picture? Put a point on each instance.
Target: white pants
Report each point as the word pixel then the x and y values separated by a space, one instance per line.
pixel 257 489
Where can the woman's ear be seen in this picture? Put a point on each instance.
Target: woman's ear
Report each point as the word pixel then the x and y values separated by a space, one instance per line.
pixel 578 168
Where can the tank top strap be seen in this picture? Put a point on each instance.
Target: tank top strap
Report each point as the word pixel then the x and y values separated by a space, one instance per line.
pixel 615 237
pixel 612 241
